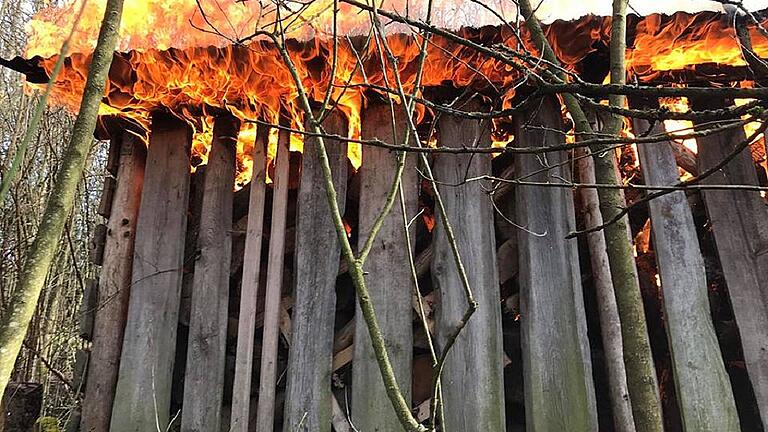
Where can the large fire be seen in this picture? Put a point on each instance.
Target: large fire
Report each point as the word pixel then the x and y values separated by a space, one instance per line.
pixel 171 58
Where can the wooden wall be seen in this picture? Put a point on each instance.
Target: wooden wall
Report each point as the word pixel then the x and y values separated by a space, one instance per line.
pixel 271 338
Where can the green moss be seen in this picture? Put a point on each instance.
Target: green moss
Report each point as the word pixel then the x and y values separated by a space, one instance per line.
pixel 48 424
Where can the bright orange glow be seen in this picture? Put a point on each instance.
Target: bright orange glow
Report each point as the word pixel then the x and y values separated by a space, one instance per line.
pixel 679 127
pixel 682 41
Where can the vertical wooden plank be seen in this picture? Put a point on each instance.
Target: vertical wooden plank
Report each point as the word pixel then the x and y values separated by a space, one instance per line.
pixel 97 243
pixel 703 389
pixel 204 378
pixel 473 383
pixel 556 362
pixel 308 391
pixel 107 196
pixel 114 286
pixel 241 393
pixel 88 308
pixel 740 224
pixel 142 400
pixel 265 411
pixel 388 273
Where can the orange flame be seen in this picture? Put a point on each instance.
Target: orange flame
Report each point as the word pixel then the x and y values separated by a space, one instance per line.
pixel 167 62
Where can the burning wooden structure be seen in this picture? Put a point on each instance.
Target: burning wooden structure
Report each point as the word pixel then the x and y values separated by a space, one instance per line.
pixel 223 303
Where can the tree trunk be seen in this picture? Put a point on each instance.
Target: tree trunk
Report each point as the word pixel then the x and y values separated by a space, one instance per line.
pixel 14 324
pixel 641 376
pixel 610 324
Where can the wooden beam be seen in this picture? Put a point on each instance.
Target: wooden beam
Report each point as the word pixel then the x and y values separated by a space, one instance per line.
pixel 703 388
pixel 308 390
pixel 556 359
pixel 740 224
pixel 249 291
pixel 206 351
pixel 265 412
pixel 388 271
pixel 114 286
pixel 474 384
pixel 143 397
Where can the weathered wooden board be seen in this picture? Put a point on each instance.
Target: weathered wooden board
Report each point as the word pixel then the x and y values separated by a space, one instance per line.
pixel 308 391
pixel 107 197
pixel 114 286
pixel 88 306
pixel 703 389
pixel 206 351
pixel 142 399
pixel 473 384
pixel 559 393
pixel 265 411
pixel 241 393
pixel 388 271
pixel 97 243
pixel 740 225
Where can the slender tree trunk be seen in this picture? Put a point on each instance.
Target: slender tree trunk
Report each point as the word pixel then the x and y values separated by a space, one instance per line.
pixel 641 376
pixel 610 324
pixel 13 326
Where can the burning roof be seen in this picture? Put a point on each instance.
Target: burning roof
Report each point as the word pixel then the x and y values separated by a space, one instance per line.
pixel 163 24
pixel 193 60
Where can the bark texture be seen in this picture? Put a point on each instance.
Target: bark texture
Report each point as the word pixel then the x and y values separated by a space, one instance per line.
pixel 14 323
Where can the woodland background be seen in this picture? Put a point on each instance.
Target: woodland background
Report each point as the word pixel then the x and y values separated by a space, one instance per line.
pixel 48 354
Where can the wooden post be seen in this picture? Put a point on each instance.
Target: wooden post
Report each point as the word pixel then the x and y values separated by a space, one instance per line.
pixel 556 359
pixel 308 391
pixel 389 275
pixel 703 388
pixel 473 383
pixel 241 393
pixel 265 411
pixel 740 225
pixel 114 286
pixel 206 352
pixel 142 399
